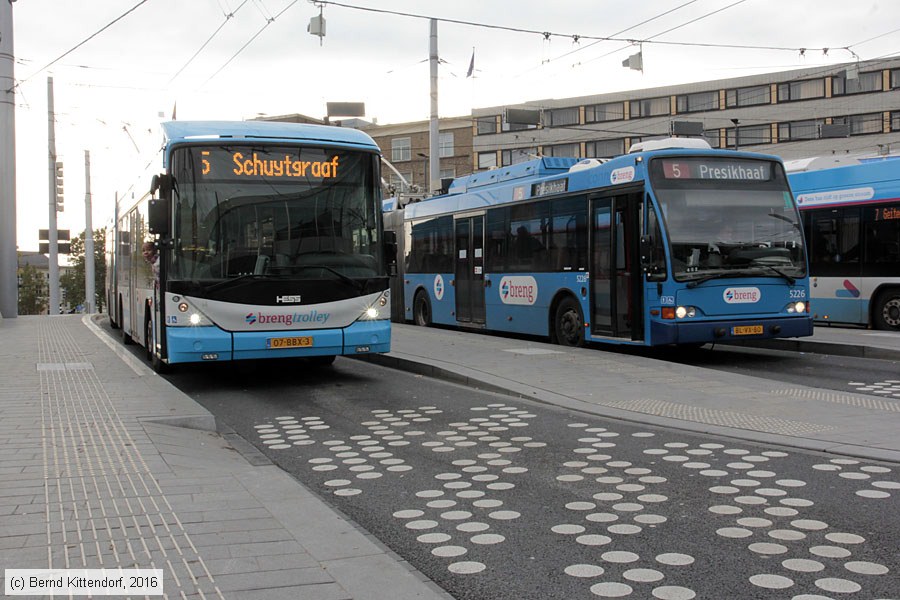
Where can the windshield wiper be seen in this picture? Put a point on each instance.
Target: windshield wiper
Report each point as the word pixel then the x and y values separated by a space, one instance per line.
pixel 231 282
pixel 788 278
pixel 695 282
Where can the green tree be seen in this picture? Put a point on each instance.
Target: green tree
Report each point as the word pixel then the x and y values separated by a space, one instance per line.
pixel 32 291
pixel 73 281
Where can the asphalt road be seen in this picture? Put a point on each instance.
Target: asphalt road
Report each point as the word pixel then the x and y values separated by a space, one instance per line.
pixel 498 498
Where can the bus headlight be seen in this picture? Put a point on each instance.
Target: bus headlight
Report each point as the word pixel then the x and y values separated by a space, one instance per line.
pixel 797 307
pixel 378 309
pixel 372 312
pixel 685 312
pixel 195 319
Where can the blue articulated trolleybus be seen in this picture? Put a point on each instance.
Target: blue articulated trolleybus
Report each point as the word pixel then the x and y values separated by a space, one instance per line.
pixel 258 240
pixel 851 215
pixel 675 245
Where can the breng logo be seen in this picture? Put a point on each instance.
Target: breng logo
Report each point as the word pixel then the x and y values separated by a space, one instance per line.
pixel 742 295
pixel 438 287
pixel 518 290
pixel 289 319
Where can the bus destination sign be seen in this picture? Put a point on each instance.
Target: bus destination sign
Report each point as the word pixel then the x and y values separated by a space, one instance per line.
pixel 716 169
pixel 249 163
pixel 545 188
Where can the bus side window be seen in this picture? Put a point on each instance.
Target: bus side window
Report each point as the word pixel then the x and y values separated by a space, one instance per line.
pixel 657 263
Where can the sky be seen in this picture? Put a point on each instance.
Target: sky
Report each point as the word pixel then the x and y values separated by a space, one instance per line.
pixel 118 73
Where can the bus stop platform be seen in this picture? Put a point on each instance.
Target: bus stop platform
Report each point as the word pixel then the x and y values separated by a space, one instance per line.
pixel 103 464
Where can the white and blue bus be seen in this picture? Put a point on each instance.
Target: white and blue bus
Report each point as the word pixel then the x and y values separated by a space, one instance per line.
pixel 673 243
pixel 851 215
pixel 258 240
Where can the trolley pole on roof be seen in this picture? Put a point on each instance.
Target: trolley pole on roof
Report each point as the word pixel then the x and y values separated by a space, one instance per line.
pixel 9 286
pixel 434 167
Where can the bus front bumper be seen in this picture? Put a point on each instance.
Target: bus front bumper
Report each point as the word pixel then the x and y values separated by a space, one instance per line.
pixel 211 344
pixel 686 332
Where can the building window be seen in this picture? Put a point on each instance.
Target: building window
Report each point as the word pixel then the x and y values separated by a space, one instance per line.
pixel 486 160
pixel 862 124
pixel 799 130
pixel 651 107
pixel 397 183
pixel 448 174
pixel 518 155
pixel 801 90
pixel 697 102
pixel 865 82
pixel 604 148
pixel 401 149
pixel 565 150
pixel 748 96
pixel 712 137
pixel 599 113
pixel 486 125
pixel 749 136
pixel 895 121
pixel 445 144
pixel 560 117
pixel 895 78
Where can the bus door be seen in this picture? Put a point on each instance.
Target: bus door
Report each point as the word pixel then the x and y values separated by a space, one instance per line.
pixel 470 269
pixel 616 298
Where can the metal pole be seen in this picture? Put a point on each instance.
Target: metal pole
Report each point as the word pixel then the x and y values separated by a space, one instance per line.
pixel 434 167
pixel 88 239
pixel 53 306
pixel 9 262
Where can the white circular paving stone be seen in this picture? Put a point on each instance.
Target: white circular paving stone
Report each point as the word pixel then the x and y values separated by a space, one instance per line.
pixel 487 538
pixel 472 527
pixel 347 492
pixel 449 551
pixel 602 517
pixel 280 446
pixel 643 575
pixel 754 522
pixel 441 503
pixel 593 540
pixel 803 565
pixel 875 469
pixel 829 551
pixel 780 511
pixel 771 582
pixel 809 524
pixel 610 589
pixel 583 570
pixel 734 532
pixel 725 509
pixel 866 568
pixel 430 494
pixel 844 538
pixel 624 529
pixel 886 485
pixel 422 524
pixel 488 503
pixel 408 514
pixel 567 529
pixel 767 548
pixel 674 592
pixel 433 538
pixel 787 535
pixel 650 519
pixel 675 559
pixel 837 585
pixel 581 506
pixel 873 494
pixel 504 515
pixel 456 515
pixel 620 557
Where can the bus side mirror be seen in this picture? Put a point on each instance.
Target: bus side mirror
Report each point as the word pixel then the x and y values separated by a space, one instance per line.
pixel 158 216
pixel 390 247
pixel 158 209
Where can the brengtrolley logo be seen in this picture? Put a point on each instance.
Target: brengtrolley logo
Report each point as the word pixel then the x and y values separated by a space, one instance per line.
pixel 438 287
pixel 742 295
pixel 287 319
pixel 518 290
pixel 622 175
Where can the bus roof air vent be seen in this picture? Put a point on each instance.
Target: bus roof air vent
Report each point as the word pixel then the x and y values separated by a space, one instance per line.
pixel 586 163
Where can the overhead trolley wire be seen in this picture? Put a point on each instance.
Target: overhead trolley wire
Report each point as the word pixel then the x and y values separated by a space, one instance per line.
pixel 228 17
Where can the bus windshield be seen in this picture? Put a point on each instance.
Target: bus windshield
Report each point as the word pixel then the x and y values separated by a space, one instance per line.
pixel 728 217
pixel 274 211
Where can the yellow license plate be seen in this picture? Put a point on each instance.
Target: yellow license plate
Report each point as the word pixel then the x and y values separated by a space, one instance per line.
pixel 747 330
pixel 289 342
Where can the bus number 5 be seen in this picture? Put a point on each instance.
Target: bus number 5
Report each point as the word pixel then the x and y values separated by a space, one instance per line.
pixel 676 170
pixel 205 162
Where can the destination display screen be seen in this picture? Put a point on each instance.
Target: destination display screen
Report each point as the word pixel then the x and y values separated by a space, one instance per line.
pixel 714 169
pixel 263 162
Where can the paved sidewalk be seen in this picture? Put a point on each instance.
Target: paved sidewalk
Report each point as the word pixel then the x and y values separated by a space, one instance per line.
pixel 103 464
pixel 666 394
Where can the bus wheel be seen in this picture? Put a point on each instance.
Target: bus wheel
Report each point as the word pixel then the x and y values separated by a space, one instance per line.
pixel 321 361
pixel 422 310
pixel 569 324
pixel 887 310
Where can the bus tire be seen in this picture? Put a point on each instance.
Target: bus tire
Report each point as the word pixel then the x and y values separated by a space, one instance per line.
pixel 886 312
pixel 322 361
pixel 422 310
pixel 568 323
